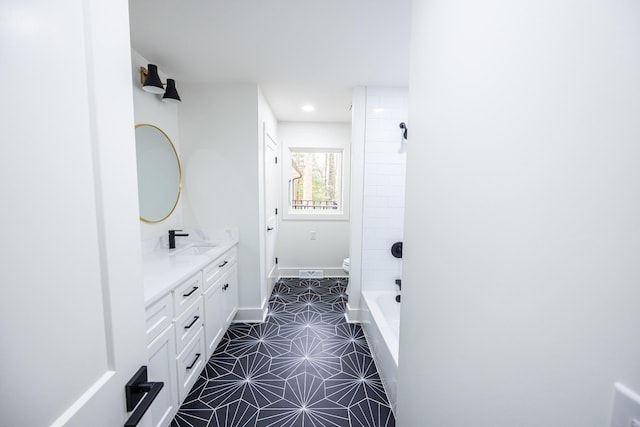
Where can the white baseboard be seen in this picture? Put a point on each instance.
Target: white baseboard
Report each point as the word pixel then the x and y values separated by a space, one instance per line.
pixel 353 315
pixel 252 314
pixel 327 271
pixel 272 284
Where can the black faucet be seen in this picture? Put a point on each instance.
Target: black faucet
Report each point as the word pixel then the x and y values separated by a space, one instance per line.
pixel 172 238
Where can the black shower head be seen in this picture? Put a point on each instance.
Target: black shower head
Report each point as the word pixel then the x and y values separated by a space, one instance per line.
pixel 404 127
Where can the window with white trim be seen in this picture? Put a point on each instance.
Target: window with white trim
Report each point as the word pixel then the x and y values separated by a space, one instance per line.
pixel 316 182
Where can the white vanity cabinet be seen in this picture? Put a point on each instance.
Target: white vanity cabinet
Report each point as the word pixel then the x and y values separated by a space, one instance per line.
pixel 184 326
pixel 214 318
pixel 220 306
pixel 214 270
pixel 230 295
pixel 190 353
pixel 220 298
pixel 175 346
pixel 161 351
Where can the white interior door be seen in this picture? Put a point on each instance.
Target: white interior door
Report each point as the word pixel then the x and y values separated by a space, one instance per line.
pixel 271 205
pixel 71 312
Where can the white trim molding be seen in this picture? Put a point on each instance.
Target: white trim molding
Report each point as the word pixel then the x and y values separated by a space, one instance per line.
pixel 353 314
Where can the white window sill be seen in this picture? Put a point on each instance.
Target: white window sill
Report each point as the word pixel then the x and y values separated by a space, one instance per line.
pixel 308 216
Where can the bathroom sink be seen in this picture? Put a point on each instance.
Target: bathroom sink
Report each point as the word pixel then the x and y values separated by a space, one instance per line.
pixel 194 250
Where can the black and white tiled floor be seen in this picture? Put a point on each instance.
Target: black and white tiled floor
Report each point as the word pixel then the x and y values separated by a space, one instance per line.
pixel 304 367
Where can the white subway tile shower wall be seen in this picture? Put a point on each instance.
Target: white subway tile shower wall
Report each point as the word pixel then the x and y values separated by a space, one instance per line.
pixel 384 185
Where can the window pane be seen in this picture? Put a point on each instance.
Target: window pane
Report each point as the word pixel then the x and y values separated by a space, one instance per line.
pixel 315 183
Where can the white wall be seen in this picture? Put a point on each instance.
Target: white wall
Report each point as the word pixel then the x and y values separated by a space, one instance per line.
pixel 295 249
pixel 221 159
pixel 383 187
pixel 149 109
pixel 521 269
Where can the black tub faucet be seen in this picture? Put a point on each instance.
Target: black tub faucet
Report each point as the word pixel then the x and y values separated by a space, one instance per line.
pixel 172 238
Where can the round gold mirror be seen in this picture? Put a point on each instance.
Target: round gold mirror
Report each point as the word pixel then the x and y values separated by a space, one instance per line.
pixel 159 173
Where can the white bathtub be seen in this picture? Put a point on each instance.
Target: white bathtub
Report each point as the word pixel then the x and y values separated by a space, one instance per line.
pixel 381 324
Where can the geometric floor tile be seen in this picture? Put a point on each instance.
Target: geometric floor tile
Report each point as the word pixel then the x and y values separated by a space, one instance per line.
pixel 305 366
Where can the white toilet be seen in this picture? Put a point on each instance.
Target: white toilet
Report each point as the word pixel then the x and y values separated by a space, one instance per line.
pixel 346 263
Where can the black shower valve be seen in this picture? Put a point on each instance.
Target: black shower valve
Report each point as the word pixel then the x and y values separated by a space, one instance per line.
pixel 396 249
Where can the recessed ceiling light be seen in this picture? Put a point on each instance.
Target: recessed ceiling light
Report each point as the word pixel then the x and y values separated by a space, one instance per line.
pixel 308 108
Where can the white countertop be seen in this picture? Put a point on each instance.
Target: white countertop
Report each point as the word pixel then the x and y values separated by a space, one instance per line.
pixel 165 268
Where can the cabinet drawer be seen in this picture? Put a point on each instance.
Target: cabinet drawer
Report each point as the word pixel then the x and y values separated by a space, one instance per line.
pixel 158 316
pixel 190 363
pixel 187 293
pixel 217 268
pixel 188 325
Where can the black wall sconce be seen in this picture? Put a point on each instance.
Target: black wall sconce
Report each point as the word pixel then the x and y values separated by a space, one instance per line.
pixel 151 83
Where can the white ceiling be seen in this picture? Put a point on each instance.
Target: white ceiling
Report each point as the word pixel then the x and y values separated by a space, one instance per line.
pixel 298 51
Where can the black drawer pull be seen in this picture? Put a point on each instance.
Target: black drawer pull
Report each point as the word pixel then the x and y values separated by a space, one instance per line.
pixel 194 361
pixel 225 287
pixel 195 319
pixel 195 288
pixel 223 264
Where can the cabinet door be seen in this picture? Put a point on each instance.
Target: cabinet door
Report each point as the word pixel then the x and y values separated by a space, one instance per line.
pixel 162 367
pixel 230 294
pixel 214 318
pixel 158 316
